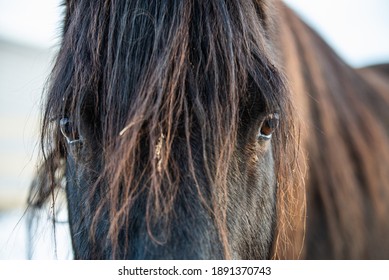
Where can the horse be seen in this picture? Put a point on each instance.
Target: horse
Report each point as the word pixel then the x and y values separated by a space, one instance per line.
pixel 212 130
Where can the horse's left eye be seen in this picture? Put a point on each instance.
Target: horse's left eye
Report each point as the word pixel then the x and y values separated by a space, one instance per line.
pixel 268 126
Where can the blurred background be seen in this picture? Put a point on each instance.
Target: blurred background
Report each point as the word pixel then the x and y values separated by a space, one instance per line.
pixel 29 37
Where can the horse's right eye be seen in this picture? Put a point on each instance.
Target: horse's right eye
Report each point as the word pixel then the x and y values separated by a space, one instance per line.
pixel 68 131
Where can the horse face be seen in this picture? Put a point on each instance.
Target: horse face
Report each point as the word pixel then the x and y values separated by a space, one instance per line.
pixel 173 157
pixel 190 230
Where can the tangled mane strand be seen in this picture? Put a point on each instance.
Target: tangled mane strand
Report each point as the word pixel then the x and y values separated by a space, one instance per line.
pixel 152 76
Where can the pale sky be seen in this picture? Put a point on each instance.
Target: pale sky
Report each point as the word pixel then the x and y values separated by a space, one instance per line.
pixel 358 29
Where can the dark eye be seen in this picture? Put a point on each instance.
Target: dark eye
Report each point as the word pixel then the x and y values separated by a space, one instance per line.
pixel 268 126
pixel 68 131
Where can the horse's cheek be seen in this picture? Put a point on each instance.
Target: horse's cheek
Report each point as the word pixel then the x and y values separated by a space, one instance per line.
pixel 252 205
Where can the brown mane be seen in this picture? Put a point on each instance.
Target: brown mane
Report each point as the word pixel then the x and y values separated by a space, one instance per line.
pixel 346 139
